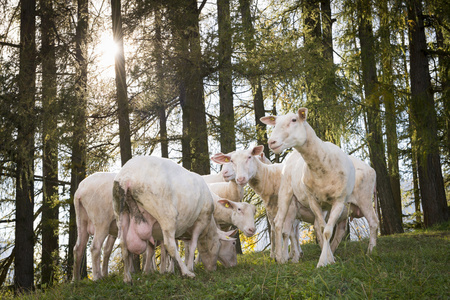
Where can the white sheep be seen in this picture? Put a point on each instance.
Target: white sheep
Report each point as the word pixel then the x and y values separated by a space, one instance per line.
pixel 239 214
pixel 94 216
pixel 226 174
pixel 327 177
pixel 156 199
pixel 264 179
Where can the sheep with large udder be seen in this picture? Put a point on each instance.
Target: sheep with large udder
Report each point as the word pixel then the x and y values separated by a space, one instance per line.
pixel 156 199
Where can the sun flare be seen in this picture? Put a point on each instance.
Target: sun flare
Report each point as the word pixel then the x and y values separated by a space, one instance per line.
pixel 106 52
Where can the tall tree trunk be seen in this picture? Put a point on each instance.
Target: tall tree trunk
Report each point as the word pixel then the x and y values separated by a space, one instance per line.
pixel 389 104
pixel 320 80
pixel 443 46
pixel 50 205
pixel 79 122
pixel 195 102
pixel 160 94
pixel 424 119
pixel 253 76
pixel 121 84
pixel 412 136
pixel 24 234
pixel 122 94
pixel 227 132
pixel 390 221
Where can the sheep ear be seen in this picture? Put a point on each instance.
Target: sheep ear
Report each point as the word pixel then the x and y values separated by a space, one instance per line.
pixel 303 113
pixel 231 232
pixel 226 203
pixel 221 158
pixel 257 150
pixel 269 120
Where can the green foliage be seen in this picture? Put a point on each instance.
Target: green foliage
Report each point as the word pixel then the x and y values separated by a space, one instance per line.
pixel 408 266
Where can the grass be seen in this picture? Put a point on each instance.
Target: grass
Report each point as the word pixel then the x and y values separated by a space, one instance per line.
pixel 409 266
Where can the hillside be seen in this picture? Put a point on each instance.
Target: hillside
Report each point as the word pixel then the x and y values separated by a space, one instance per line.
pixel 409 266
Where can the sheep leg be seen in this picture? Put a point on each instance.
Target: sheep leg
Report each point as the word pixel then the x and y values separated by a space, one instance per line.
pixel 123 225
pixel 326 257
pixel 96 247
pixel 372 219
pixel 107 249
pixel 149 266
pixel 192 246
pixel 296 251
pixel 339 234
pixel 80 246
pixel 171 247
pixel 284 202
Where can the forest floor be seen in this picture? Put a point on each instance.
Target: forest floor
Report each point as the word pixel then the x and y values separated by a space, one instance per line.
pixel 413 265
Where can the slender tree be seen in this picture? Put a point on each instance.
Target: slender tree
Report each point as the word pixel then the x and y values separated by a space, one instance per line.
pixel 121 83
pixel 391 220
pixel 227 132
pixel 160 89
pixel 24 233
pixel 78 171
pixel 50 206
pixel 254 74
pixel 423 112
pixel 387 92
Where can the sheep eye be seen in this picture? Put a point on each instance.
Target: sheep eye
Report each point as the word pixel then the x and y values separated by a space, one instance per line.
pixel 294 120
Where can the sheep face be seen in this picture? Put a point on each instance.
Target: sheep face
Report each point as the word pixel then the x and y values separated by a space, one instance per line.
pixel 228 172
pixel 243 215
pixel 289 130
pixel 227 253
pixel 244 163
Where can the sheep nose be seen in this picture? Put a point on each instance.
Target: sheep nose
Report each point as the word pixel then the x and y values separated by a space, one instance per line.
pixel 240 179
pixel 252 230
pixel 271 142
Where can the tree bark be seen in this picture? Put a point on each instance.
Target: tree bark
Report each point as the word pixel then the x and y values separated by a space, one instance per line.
pixel 226 118
pixel 121 83
pixel 443 46
pixel 253 76
pixel 78 172
pixel 50 206
pixel 390 221
pixel 158 53
pixel 24 234
pixel 424 119
pixel 389 104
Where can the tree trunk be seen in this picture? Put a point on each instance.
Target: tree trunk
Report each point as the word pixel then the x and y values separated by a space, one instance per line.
pixel 227 132
pixel 320 79
pixel 391 221
pixel 443 46
pixel 121 84
pixel 195 102
pixel 158 52
pixel 122 94
pixel 254 77
pixel 389 104
pixel 50 205
pixel 78 172
pixel 24 234
pixel 424 119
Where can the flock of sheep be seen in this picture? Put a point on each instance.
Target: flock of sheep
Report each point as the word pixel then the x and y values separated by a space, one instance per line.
pixel 153 200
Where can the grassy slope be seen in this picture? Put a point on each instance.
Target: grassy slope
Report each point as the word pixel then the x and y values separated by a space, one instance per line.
pixel 408 266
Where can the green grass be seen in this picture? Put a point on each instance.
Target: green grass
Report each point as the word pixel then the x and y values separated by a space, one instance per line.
pixel 409 266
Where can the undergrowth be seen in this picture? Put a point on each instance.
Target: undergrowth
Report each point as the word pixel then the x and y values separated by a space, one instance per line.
pixel 408 266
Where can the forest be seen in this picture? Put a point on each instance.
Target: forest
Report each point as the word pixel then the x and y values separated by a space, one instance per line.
pixel 87 85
